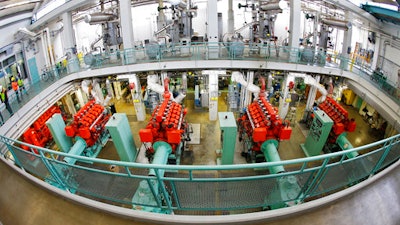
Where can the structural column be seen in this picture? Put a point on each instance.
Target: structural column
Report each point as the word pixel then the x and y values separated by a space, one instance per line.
pixel 213 92
pixel 231 20
pixel 127 31
pixel 374 63
pixel 248 94
pixel 312 95
pixel 346 48
pixel 212 30
pixel 285 99
pixel 294 28
pixel 69 43
pixel 137 98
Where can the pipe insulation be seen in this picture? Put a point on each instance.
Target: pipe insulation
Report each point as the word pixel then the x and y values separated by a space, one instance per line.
pixel 239 78
pixel 336 23
pixel 99 18
pixel 152 84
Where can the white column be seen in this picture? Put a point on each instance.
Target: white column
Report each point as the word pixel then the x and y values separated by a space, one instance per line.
pixel 378 39
pixel 294 28
pixel 127 30
pixel 285 99
pixel 346 43
pixel 231 19
pixel 312 94
pixel 137 98
pixel 213 92
pixel 68 37
pixel 250 80
pixel 69 43
pixel 212 29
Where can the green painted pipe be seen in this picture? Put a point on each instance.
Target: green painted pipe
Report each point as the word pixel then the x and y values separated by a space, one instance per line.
pixel 270 151
pixel 345 144
pixel 162 150
pixel 76 149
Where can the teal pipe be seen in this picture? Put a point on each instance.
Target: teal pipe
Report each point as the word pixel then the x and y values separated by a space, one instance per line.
pixel 147 197
pixel 162 150
pixel 270 151
pixel 345 144
pixel 76 149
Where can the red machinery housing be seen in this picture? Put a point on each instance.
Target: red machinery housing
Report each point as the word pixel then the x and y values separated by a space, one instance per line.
pixel 340 117
pixel 167 122
pixel 261 122
pixel 88 123
pixel 39 134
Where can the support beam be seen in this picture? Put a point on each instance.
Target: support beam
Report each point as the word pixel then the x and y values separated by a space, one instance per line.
pixel 346 48
pixel 212 30
pixel 294 28
pixel 127 31
pixel 69 43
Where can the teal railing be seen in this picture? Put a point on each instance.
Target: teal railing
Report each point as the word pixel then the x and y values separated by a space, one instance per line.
pixel 200 190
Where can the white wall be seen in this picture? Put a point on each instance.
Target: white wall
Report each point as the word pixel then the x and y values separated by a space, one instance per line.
pixel 7 33
pixel 86 34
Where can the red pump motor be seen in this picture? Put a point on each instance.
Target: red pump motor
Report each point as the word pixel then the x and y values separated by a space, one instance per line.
pixel 260 123
pixel 39 134
pixel 340 117
pixel 167 123
pixel 89 123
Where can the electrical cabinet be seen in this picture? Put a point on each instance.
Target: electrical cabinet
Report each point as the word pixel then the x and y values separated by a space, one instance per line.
pixel 318 134
pixel 227 124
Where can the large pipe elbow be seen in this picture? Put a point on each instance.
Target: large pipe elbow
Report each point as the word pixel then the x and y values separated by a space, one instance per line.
pixel 238 78
pixel 270 151
pixel 162 150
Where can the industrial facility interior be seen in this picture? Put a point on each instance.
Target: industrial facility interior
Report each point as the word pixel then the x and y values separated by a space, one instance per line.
pixel 199 112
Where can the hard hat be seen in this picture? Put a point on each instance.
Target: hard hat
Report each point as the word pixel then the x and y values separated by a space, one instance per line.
pixel 12 78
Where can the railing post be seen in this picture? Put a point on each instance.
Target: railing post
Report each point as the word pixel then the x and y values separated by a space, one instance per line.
pixel 388 145
pixel 52 171
pixel 315 181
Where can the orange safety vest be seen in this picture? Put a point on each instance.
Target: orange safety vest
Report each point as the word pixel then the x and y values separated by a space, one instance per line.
pixel 14 85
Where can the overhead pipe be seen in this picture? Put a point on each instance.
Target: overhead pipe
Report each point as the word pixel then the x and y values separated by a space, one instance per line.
pixel 154 86
pixel 274 6
pixel 163 29
pixel 239 78
pixel 99 17
pixel 99 99
pixel 311 81
pixel 336 23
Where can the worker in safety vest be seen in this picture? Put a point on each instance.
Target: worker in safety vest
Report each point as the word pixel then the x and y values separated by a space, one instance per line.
pixel 4 99
pixel 14 85
pixel 21 86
